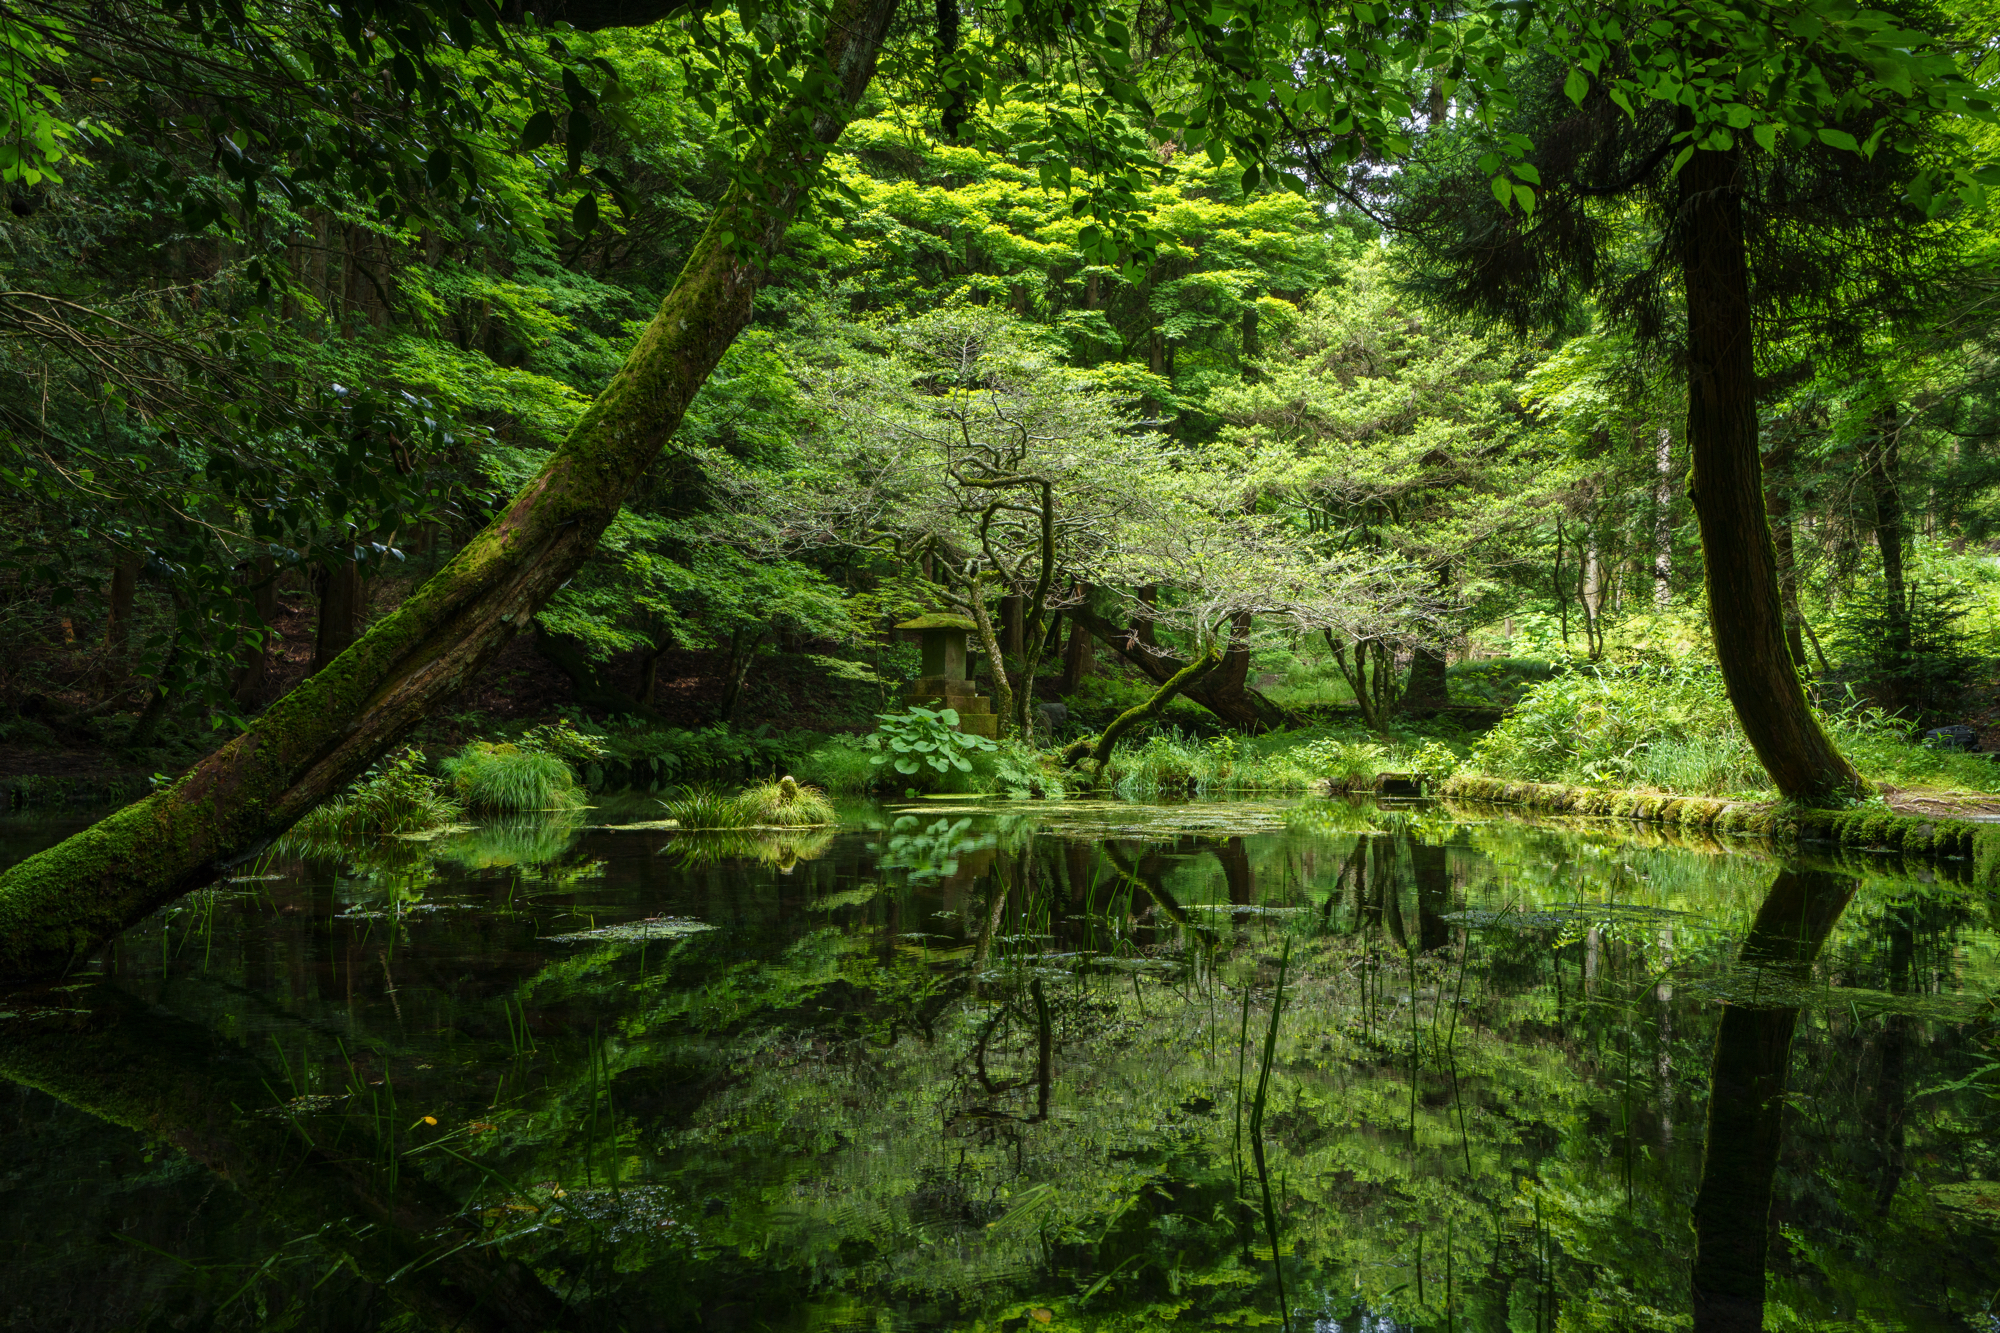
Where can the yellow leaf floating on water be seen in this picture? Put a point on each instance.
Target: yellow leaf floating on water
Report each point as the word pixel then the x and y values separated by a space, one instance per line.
pixel 1046 1316
pixel 430 1120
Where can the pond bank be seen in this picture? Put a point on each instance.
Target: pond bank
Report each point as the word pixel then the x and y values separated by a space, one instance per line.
pixel 1867 828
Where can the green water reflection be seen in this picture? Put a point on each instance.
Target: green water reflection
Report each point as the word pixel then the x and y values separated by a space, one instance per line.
pixel 988 1068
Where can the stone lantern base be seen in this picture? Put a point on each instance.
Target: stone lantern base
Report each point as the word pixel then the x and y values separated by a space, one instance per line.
pixel 975 711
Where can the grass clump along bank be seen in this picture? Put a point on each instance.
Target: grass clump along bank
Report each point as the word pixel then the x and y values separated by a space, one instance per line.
pixel 782 803
pixel 506 776
pixel 397 796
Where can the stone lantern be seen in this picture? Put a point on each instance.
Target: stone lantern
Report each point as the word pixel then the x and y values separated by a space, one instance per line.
pixel 944 683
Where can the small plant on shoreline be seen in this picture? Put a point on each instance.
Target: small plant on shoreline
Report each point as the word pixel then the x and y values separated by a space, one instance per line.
pixel 786 803
pixel 703 806
pixel 509 777
pixel 782 803
pixel 396 796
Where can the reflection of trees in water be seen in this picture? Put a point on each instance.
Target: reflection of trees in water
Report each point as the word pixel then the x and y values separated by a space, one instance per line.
pixel 327 1176
pixel 849 1117
pixel 1746 1108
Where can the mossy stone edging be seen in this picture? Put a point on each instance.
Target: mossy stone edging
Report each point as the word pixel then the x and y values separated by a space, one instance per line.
pixel 1869 828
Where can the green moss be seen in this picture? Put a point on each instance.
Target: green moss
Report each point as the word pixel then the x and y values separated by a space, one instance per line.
pixel 1865 829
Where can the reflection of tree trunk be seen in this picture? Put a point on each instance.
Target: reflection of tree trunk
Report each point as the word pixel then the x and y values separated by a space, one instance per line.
pixel 1744 609
pixel 170 1080
pixel 1430 867
pixel 1732 1208
pixel 1236 872
pixel 1885 1116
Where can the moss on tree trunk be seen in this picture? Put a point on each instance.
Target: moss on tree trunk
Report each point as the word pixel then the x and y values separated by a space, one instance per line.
pixel 64 903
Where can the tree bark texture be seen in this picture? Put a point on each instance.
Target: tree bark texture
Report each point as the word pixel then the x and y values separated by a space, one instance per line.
pixel 340 601
pixel 262 576
pixel 1732 1207
pixel 63 903
pixel 1745 610
pixel 1663 519
pixel 1223 692
pixel 1778 508
pixel 124 592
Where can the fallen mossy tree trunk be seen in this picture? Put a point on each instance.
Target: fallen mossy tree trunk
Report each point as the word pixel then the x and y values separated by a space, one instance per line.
pixel 62 904
pixel 1866 828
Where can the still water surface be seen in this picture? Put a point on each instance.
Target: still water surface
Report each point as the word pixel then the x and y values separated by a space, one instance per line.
pixel 1084 1066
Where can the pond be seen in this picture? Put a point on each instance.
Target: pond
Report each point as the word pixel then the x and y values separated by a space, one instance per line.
pixel 1310 1064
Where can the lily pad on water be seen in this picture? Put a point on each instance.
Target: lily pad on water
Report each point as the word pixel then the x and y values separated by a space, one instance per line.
pixel 653 928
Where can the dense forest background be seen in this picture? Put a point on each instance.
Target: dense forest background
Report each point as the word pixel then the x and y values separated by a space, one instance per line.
pixel 280 342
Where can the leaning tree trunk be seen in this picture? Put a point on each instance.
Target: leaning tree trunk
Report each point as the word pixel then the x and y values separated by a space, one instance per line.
pixel 62 904
pixel 1727 485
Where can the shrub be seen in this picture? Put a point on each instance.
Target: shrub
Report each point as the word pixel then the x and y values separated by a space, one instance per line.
pixel 394 797
pixel 786 803
pixel 841 765
pixel 504 776
pixel 1498 681
pixel 641 755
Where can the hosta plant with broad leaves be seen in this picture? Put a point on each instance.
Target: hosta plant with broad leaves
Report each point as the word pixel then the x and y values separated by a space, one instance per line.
pixel 923 736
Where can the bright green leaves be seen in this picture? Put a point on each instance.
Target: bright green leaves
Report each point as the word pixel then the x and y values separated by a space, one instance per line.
pixel 1576 85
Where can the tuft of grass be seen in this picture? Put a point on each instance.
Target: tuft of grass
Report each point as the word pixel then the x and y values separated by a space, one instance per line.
pixel 487 776
pixel 394 797
pixel 786 803
pixel 701 807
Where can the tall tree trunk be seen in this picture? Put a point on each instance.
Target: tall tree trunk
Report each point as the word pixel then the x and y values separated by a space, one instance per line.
pixel 1778 506
pixel 1884 478
pixel 1663 519
pixel 124 592
pixel 65 902
pixel 1077 655
pixel 1739 562
pixel 1429 688
pixel 1746 1105
pixel 340 601
pixel 262 575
